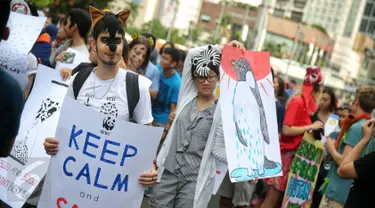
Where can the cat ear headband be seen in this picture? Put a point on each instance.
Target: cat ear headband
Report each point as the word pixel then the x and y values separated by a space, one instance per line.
pixel 150 40
pixel 204 60
pixel 97 15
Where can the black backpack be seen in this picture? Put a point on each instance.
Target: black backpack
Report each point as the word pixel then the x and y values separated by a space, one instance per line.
pixel 132 88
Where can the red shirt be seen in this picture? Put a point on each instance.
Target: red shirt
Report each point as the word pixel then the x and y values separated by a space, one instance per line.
pixel 295 115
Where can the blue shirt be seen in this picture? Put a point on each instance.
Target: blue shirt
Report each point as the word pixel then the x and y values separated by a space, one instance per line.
pixel 338 188
pixel 168 94
pixel 289 92
pixel 153 73
pixel 11 106
pixel 280 112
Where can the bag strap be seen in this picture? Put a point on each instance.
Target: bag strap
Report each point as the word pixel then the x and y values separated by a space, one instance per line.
pixel 132 93
pixel 79 80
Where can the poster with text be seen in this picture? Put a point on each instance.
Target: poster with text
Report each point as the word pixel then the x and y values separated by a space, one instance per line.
pixel 24 30
pixel 21 172
pixel 304 173
pixel 98 167
pixel 249 115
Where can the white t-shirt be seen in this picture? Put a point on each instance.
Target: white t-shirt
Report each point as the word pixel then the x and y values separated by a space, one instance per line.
pixel 114 103
pixel 83 49
pixel 32 64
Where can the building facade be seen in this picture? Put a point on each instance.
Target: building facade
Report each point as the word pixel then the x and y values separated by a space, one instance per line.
pixel 367 25
pixel 179 14
pixel 290 9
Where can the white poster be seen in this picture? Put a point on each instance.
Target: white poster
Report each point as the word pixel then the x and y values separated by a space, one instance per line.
pixel 331 124
pixel 221 171
pixel 248 106
pixel 98 167
pixel 28 162
pixel 24 30
pixel 72 59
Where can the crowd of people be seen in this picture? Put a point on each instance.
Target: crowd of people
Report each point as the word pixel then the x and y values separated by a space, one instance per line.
pixel 174 89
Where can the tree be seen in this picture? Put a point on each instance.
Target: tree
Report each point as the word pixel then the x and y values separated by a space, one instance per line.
pixel 225 26
pixel 176 37
pixel 158 29
pixel 276 50
pixel 320 28
pixel 65 5
pixel 195 32
pixel 211 40
pixel 134 7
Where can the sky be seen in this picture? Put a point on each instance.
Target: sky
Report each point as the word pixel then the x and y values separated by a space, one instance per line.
pixel 252 2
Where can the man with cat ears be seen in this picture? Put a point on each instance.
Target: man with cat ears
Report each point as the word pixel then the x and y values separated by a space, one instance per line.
pixel 106 88
pixel 195 140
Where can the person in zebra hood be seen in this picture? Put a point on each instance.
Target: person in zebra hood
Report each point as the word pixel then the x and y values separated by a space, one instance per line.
pixel 195 140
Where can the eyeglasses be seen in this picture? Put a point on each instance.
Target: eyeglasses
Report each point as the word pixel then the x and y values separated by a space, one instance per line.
pixel 201 79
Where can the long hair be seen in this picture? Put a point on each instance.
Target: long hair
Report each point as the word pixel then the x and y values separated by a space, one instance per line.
pixel 143 41
pixel 331 93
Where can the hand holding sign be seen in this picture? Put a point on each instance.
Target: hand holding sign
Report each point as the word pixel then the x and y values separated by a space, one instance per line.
pixel 51 146
pixel 94 169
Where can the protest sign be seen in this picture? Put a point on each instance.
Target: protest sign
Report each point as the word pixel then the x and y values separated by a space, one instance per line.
pixel 72 59
pixel 221 171
pixel 21 172
pixel 24 30
pixel 304 173
pixel 96 167
pixel 331 124
pixel 248 104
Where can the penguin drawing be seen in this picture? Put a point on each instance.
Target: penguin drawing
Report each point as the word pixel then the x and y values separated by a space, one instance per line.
pixel 250 136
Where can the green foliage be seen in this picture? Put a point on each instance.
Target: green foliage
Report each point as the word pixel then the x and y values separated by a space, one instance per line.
pixel 177 38
pixel 242 5
pixel 159 31
pixel 276 50
pixel 211 40
pixel 64 6
pixel 320 28
pixel 134 7
pixel 131 30
pixel 42 3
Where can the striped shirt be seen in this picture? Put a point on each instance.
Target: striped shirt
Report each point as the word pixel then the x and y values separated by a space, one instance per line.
pixel 189 141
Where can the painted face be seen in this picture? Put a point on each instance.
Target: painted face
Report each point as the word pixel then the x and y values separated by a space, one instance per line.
pixel 206 85
pixel 108 49
pixel 137 56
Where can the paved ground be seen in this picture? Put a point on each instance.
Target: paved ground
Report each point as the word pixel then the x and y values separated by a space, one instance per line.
pixel 214 203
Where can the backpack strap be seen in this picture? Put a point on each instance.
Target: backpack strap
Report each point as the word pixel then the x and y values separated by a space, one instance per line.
pixel 79 80
pixel 132 93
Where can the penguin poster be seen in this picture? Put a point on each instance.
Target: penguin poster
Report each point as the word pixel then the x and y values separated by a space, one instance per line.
pixel 28 162
pixel 249 115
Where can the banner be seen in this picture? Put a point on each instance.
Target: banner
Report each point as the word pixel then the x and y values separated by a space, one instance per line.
pixel 304 173
pixel 22 171
pixel 98 167
pixel 24 30
pixel 248 104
